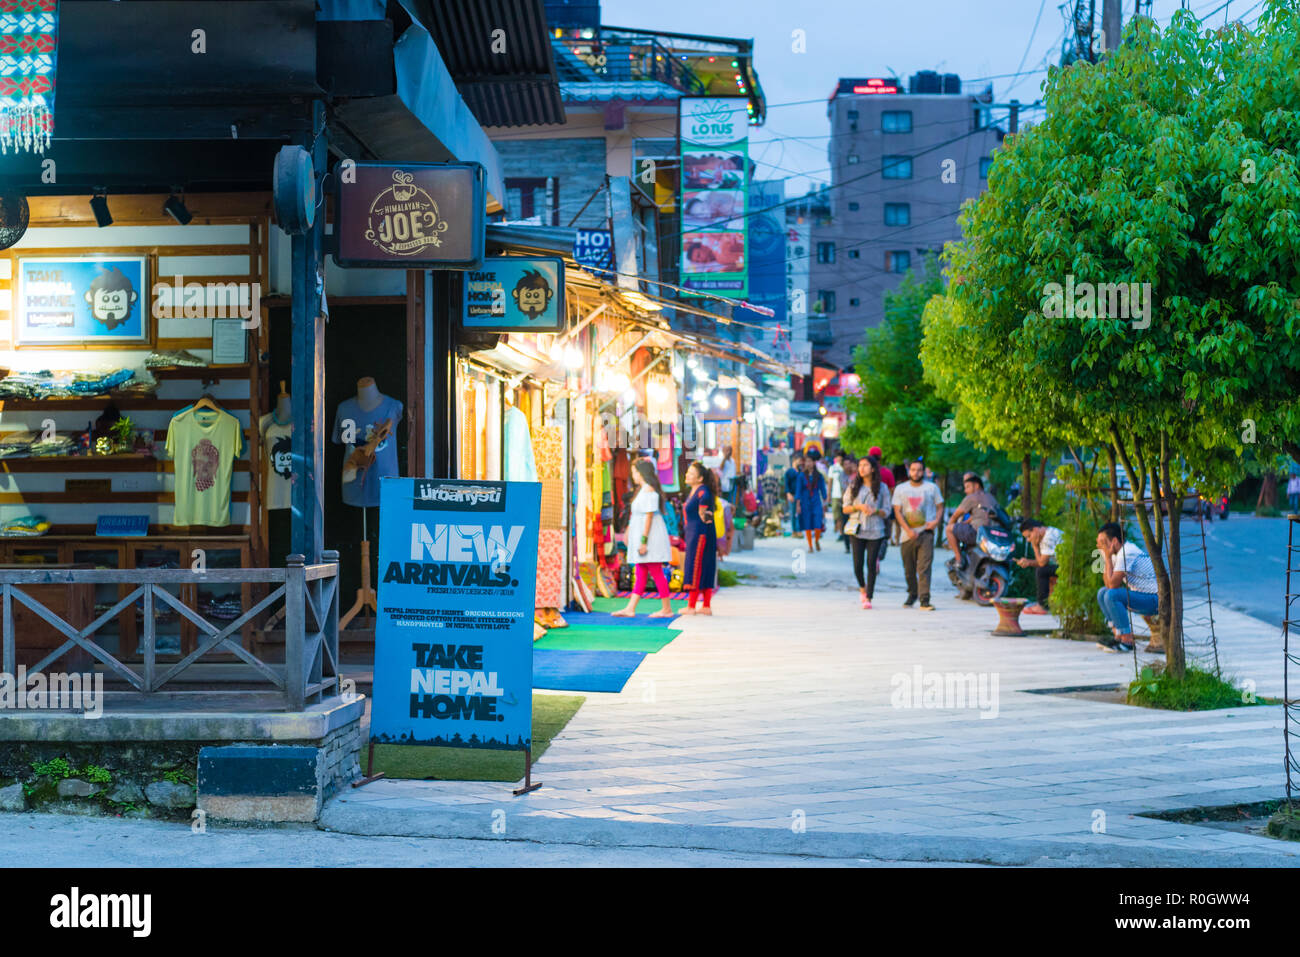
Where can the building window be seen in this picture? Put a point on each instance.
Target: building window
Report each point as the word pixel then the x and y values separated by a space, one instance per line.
pixel 854 207
pixel 896 121
pixel 896 167
pixel 853 158
pixel 855 253
pixel 853 120
pixel 898 260
pixel 825 253
pixel 855 302
pixel 826 300
pixel 898 214
pixel 534 198
pixel 985 163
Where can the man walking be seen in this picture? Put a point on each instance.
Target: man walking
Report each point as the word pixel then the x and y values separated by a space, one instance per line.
pixel 791 477
pixel 918 508
pixel 835 486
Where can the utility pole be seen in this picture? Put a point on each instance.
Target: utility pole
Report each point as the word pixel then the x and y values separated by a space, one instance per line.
pixel 1112 20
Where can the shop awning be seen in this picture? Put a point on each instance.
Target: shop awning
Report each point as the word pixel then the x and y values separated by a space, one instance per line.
pixel 514 85
pixel 424 118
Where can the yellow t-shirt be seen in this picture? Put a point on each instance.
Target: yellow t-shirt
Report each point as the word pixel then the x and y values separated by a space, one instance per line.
pixel 203 444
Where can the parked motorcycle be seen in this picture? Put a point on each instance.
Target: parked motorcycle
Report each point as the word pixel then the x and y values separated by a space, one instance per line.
pixel 986 575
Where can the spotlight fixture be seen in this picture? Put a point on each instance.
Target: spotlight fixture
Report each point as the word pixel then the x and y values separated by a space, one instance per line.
pixel 99 206
pixel 175 208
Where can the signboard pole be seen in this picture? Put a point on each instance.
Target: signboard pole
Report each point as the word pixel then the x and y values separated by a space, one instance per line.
pixel 528 775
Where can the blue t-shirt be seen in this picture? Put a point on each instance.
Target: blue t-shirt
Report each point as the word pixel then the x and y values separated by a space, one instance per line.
pixel 363 491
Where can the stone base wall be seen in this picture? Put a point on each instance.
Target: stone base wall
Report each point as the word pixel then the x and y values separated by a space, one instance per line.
pixel 340 759
pixel 147 779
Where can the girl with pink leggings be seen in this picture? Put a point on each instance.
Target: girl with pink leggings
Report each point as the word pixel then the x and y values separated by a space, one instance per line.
pixel 648 547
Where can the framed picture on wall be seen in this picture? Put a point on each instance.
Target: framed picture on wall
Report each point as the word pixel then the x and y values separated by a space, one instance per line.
pixel 81 301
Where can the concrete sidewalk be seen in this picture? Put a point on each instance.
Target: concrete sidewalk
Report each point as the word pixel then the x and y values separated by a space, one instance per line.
pixel 778 726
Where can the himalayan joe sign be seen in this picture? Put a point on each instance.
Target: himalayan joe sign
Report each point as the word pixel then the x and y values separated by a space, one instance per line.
pixel 454 636
pixel 714 133
pixel 412 216
pixel 514 294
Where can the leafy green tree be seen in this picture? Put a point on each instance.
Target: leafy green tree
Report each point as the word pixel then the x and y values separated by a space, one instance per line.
pixel 1170 168
pixel 897 408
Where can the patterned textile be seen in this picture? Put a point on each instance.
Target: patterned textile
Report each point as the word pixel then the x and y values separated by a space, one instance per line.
pixel 28 51
pixel 550 569
pixel 548 445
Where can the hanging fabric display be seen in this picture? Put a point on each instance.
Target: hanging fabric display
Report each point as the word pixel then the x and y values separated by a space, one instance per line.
pixel 28 43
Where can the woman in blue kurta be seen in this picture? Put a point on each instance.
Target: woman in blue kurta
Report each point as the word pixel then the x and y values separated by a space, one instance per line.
pixel 700 566
pixel 810 501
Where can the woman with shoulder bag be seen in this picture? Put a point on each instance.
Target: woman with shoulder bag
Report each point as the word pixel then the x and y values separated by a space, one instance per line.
pixel 866 504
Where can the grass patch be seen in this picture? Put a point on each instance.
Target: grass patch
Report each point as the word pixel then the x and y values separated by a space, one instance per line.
pixel 1285 823
pixel 551 712
pixel 1197 691
pixel 727 577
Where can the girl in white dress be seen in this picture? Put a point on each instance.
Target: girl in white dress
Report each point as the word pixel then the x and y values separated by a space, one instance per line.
pixel 648 548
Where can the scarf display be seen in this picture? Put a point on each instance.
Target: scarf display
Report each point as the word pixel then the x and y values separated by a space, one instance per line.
pixel 28 43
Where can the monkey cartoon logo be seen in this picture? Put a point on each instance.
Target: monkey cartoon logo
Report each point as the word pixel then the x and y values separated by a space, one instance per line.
pixel 532 294
pixel 111 297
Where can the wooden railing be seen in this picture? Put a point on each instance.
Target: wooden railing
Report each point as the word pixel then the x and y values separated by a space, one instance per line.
pixel 310 596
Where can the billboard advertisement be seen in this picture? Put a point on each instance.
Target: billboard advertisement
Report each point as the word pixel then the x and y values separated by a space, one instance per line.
pixel 714 137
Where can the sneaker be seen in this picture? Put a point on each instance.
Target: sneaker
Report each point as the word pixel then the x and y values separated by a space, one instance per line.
pixel 1124 646
pixel 909 603
pixel 926 606
pixel 1108 644
pixel 866 603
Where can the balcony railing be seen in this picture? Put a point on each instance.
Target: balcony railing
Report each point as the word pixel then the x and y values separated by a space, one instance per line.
pixel 309 593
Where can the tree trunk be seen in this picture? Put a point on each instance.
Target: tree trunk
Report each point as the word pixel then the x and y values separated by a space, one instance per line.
pixel 1042 480
pixel 1114 485
pixel 1172 626
pixel 1138 481
pixel 1268 491
pixel 1026 489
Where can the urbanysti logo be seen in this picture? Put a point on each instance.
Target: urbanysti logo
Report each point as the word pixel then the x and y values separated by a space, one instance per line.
pixel 403 219
pixel 454 497
pixel 75 910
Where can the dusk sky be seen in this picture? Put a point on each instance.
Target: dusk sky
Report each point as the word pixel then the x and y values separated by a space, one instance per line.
pixel 856 38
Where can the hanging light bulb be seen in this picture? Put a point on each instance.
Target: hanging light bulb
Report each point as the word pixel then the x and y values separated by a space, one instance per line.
pixel 573 357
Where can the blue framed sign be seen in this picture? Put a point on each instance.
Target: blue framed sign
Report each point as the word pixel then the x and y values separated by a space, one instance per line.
pixel 514 294
pixel 82 300
pixel 454 635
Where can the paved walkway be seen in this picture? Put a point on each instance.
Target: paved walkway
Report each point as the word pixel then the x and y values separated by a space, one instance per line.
pixel 780 724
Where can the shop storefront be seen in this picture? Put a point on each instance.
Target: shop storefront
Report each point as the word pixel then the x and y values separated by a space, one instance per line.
pixel 137 429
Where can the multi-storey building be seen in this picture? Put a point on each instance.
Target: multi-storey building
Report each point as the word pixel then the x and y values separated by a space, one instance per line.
pixel 903 158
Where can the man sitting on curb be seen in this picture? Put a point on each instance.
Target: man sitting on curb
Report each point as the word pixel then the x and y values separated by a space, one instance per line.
pixel 1044 539
pixel 1129 586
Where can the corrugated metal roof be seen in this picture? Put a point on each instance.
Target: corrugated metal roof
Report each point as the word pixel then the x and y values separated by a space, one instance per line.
pixel 507 78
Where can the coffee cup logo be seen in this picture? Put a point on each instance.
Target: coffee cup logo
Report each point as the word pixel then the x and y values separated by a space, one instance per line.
pixel 403 219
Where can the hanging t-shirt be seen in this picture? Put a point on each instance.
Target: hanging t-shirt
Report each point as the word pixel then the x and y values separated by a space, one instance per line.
pixel 277 462
pixel 203 445
pixel 363 491
pixel 521 464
